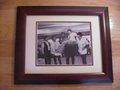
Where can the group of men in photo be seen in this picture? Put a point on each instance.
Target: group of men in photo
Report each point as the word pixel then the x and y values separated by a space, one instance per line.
pixel 67 46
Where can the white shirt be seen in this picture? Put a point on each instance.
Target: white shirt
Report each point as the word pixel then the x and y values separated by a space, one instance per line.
pixel 54 46
pixel 72 36
pixel 81 45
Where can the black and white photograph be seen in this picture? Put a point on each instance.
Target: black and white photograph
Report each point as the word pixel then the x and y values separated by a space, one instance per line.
pixel 63 43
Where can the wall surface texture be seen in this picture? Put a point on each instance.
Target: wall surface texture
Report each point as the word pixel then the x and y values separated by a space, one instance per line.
pixel 7 42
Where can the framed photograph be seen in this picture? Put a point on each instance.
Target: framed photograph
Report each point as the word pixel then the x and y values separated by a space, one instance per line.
pixel 62 45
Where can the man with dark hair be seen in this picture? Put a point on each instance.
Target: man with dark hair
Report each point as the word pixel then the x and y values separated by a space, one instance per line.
pixel 82 46
pixel 46 50
pixel 70 49
pixel 72 35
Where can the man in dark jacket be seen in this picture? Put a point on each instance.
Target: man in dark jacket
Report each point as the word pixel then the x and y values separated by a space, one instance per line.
pixel 46 51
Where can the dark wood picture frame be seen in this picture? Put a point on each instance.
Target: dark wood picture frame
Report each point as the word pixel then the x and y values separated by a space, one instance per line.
pixel 22 78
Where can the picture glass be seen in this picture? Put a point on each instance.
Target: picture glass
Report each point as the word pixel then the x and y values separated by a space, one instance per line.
pixel 63 43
